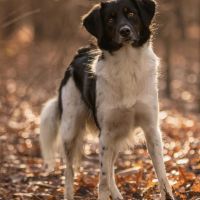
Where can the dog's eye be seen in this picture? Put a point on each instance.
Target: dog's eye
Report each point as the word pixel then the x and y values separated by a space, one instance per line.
pixel 131 14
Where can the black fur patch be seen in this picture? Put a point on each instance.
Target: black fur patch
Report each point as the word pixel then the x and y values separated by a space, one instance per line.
pixel 84 78
pixel 147 10
pixel 105 20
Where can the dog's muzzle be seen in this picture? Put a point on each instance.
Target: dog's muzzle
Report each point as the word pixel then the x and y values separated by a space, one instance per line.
pixel 127 34
pixel 125 31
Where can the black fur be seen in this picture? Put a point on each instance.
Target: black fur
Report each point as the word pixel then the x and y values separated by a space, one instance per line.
pixel 147 10
pixel 96 22
pixel 84 78
pixel 93 23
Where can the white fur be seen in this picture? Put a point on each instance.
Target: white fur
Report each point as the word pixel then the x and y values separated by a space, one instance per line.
pixel 72 129
pixel 128 76
pixel 126 98
pixel 49 123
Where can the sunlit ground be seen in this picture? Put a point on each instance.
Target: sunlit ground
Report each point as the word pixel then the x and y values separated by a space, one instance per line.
pixel 30 74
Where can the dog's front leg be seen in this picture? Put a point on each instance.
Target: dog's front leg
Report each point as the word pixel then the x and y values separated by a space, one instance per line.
pixel 107 184
pixel 113 187
pixel 155 148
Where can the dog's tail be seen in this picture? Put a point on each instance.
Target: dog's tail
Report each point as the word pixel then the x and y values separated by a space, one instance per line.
pixel 49 125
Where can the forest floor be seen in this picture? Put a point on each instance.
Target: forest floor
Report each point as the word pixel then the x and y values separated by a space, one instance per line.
pixel 26 82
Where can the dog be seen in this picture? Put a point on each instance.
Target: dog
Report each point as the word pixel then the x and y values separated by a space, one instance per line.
pixel 112 89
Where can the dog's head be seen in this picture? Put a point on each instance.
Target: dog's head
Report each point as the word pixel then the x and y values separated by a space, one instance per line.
pixel 118 22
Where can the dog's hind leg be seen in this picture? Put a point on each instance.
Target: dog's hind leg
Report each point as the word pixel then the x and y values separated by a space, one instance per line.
pixel 72 142
pixel 68 148
pixel 71 130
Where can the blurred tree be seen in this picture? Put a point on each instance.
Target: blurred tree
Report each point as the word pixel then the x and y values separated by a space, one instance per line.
pixel 59 21
pixel 7 13
pixel 178 9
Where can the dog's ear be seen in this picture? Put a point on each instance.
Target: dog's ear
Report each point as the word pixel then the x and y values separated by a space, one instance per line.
pixel 147 10
pixel 93 23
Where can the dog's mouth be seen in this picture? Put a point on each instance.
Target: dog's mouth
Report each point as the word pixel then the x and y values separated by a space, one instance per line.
pixel 129 40
pixel 132 38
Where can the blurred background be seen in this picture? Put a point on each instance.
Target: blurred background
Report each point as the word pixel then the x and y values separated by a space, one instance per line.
pixel 38 39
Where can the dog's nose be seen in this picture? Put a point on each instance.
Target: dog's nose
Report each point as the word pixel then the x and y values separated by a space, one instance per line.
pixel 125 31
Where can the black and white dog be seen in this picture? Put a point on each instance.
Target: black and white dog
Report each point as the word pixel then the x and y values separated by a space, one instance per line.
pixel 113 88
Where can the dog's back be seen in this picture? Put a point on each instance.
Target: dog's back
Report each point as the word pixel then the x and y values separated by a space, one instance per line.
pixel 81 73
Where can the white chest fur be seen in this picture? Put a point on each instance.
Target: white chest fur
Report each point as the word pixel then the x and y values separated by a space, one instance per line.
pixel 127 76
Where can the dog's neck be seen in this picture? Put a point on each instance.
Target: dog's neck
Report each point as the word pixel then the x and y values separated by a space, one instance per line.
pixel 128 54
pixel 127 51
pixel 128 60
pixel 127 73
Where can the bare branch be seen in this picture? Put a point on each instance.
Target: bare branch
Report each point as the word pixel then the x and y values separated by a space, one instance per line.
pixel 29 13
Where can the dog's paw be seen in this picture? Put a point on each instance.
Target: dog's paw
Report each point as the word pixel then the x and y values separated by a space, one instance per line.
pixel 166 192
pixel 104 195
pixel 117 196
pixel 167 196
pixel 115 193
pixel 69 196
